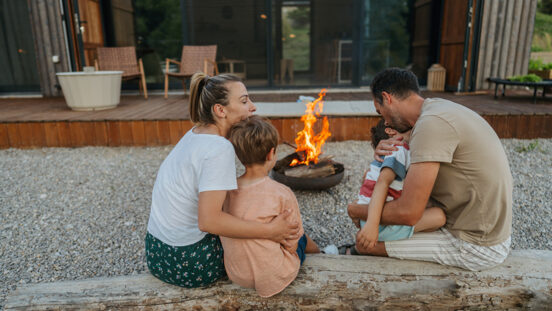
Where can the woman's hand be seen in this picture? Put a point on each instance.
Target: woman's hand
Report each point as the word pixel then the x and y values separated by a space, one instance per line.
pixel 386 147
pixel 283 229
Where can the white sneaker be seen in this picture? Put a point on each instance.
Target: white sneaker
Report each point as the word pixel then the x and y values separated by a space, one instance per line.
pixel 331 249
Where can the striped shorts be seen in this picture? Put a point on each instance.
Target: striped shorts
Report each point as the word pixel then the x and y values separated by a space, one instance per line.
pixel 442 247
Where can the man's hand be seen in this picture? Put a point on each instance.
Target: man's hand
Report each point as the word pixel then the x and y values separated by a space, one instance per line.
pixel 367 237
pixel 357 212
pixel 386 147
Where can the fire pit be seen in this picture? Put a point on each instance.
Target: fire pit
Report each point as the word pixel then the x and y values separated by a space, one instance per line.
pixel 305 169
pixel 323 175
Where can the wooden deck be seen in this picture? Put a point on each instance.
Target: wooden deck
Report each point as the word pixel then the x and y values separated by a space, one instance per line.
pixel 48 122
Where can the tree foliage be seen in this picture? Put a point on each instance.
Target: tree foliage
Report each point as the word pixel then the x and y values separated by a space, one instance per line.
pixel 545 6
pixel 159 26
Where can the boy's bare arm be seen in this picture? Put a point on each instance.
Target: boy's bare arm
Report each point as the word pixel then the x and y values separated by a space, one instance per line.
pixel 368 235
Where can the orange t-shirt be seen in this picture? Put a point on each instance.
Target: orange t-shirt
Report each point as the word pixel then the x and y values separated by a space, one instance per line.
pixel 259 263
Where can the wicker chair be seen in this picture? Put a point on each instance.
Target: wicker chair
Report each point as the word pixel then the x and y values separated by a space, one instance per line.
pixel 122 59
pixel 194 58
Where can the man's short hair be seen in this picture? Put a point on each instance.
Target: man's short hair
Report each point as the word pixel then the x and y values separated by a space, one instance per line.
pixel 378 133
pixel 252 139
pixel 396 81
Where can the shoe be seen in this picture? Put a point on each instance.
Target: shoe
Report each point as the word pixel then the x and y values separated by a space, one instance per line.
pixel 351 248
pixel 343 249
pixel 331 250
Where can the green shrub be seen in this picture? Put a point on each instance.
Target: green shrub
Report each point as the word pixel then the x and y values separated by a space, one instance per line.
pixel 526 78
pixel 542 34
pixel 535 64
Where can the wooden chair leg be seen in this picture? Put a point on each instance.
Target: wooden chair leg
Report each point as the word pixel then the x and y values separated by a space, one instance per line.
pixel 143 78
pixel 144 85
pixel 166 86
pixel 184 85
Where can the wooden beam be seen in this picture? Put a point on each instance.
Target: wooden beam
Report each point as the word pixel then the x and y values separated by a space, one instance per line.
pixel 328 282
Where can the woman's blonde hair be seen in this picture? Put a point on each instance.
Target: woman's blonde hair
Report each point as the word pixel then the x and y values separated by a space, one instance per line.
pixel 205 92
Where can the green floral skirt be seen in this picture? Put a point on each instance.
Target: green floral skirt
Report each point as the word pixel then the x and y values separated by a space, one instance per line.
pixel 195 265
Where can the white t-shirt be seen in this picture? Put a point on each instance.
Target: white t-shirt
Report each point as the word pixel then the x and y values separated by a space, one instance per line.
pixel 199 162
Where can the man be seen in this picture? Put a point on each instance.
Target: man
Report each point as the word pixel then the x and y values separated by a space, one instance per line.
pixel 458 161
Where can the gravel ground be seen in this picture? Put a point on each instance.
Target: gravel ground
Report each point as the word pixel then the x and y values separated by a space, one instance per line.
pixel 70 214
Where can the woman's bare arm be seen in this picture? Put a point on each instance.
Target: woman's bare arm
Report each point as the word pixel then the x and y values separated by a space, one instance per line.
pixel 212 219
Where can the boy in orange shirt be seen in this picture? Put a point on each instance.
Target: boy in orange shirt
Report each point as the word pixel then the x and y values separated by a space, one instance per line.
pixel 265 265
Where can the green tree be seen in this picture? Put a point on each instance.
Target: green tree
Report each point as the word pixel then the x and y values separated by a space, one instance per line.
pixel 545 6
pixel 300 17
pixel 159 26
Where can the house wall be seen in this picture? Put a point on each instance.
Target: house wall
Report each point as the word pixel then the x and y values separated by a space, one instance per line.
pixel 505 43
pixel 49 40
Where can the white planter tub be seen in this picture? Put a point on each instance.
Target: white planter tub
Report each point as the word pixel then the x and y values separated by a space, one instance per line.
pixel 87 91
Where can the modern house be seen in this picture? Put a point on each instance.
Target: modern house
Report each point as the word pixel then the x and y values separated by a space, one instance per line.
pixel 273 43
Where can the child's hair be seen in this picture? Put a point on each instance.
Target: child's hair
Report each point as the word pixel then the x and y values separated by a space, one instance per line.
pixel 252 139
pixel 205 92
pixel 378 133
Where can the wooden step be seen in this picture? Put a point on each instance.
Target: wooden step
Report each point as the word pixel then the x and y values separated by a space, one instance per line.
pixel 328 282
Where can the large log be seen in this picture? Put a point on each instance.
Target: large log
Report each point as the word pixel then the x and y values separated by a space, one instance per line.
pixel 325 282
pixel 311 171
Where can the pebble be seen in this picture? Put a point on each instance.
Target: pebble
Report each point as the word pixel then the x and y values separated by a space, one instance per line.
pixel 77 213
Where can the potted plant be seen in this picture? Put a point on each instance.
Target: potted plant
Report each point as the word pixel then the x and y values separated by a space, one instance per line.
pixel 537 67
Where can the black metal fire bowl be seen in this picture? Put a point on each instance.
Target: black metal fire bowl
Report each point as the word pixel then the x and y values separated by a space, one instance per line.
pixel 296 183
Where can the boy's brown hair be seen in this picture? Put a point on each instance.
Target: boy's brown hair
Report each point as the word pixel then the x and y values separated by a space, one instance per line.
pixel 252 139
pixel 378 133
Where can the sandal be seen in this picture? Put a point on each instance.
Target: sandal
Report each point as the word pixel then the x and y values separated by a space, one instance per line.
pixel 343 249
pixel 351 248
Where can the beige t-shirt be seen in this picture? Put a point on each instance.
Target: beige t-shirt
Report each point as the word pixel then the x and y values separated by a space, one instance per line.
pixel 257 263
pixel 474 183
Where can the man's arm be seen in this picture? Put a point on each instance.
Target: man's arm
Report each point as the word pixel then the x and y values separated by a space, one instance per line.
pixel 409 207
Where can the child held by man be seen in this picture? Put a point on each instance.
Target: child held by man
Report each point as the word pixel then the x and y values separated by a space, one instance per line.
pixel 265 265
pixel 384 182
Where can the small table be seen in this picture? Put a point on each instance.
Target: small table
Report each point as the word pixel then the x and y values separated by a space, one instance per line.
pixel 544 84
pixel 230 68
pixel 89 91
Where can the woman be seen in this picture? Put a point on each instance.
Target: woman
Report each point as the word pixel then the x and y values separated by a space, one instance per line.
pixel 182 244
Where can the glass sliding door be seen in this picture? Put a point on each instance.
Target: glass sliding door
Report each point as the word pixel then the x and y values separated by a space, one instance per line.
pixel 17 53
pixel 313 42
pixel 158 36
pixel 386 39
pixel 274 43
pixel 238 28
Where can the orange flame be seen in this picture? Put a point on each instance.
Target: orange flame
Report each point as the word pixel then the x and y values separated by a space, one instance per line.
pixel 306 141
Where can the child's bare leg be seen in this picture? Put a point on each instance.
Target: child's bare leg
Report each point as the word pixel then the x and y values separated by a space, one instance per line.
pixel 357 212
pixel 311 247
pixel 432 219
